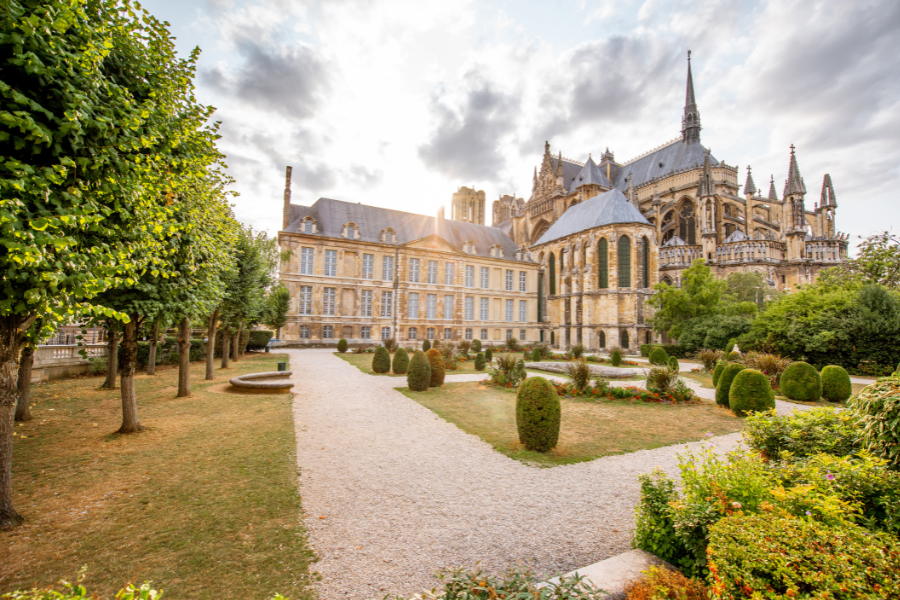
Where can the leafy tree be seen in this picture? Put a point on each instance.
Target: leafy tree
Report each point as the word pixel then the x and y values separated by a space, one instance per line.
pixel 277 304
pixel 700 295
pixel 744 289
pixel 878 260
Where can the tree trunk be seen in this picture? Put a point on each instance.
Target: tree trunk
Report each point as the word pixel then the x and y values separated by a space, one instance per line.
pixel 236 343
pixel 211 345
pixel 112 360
pixel 278 333
pixel 226 348
pixel 151 358
pixel 23 406
pixel 184 358
pixel 130 422
pixel 11 340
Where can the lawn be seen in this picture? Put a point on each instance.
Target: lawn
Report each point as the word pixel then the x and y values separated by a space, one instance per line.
pixel 363 362
pixel 204 503
pixel 588 429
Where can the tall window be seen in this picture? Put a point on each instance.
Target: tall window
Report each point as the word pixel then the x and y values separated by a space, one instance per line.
pixel 603 264
pixel 413 333
pixel 468 334
pixel 448 334
pixel 601 339
pixel 470 309
pixel 304 329
pixel 522 334
pixel 509 311
pixel 307 255
pixel 552 274
pixel 385 333
pixel 484 309
pixel 485 278
pixel 470 276
pixel 484 334
pixel 509 334
pixel 413 306
pixel 431 306
pixel 308 226
pixel 645 262
pixel 331 263
pixel 432 271
pixel 509 280
pixel 365 332
pixel 328 332
pixel 351 232
pixel 305 299
pixel 624 341
pixel 365 304
pixel 387 304
pixel 328 298
pixel 368 270
pixel 414 270
pixel 523 311
pixel 387 268
pixel 429 333
pixel 449 273
pixel 523 279
pixel 448 307
pixel 624 250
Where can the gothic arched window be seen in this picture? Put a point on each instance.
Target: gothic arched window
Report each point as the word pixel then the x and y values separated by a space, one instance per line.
pixel 552 274
pixel 624 251
pixel 603 264
pixel 601 339
pixel 624 339
pixel 687 225
pixel 645 262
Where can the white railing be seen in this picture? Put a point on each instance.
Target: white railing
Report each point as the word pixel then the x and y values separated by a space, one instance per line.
pixel 60 356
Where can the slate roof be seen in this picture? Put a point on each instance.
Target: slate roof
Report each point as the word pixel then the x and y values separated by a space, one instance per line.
pixel 605 209
pixel 676 156
pixel 737 235
pixel 331 216
pixel 590 173
pixel 570 171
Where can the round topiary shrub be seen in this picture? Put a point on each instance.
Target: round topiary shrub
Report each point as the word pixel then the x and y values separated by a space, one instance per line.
pixel 342 345
pixel 419 376
pixel 381 362
pixel 658 356
pixel 733 356
pixel 537 414
pixel 836 386
pixel 717 372
pixel 615 358
pixel 401 362
pixel 673 364
pixel 877 409
pixel 479 361
pixel 476 346
pixel 438 369
pixel 426 346
pixel 801 381
pixel 723 388
pixel 729 347
pixel 750 392
pixel 536 355
pixel 488 355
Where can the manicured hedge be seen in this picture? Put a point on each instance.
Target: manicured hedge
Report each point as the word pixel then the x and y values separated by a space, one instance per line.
pixel 836 386
pixel 476 346
pixel 750 392
pixel 723 388
pixel 803 433
pixel 673 364
pixel 426 345
pixel 537 414
pixel 401 362
pixel 381 362
pixel 489 355
pixel 717 372
pixel 801 381
pixel 658 356
pixel 438 369
pixel 258 339
pixel 479 361
pixel 419 376
pixel 671 350
pixel 342 345
pixel 615 358
pixel 166 352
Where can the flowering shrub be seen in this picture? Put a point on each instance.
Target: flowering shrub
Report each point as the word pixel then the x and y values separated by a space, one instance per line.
pixel 802 433
pixel 601 390
pixel 518 583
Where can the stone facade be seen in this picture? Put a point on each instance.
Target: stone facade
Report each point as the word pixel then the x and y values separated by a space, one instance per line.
pixel 467 205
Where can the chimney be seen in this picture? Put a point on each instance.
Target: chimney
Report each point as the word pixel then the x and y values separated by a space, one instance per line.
pixel 440 214
pixel 287 198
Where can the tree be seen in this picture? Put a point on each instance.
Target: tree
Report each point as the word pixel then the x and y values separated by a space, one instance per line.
pixel 277 304
pixel 744 289
pixel 878 260
pixel 700 295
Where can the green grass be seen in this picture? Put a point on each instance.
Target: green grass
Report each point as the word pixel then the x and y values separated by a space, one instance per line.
pixel 204 503
pixel 363 362
pixel 589 429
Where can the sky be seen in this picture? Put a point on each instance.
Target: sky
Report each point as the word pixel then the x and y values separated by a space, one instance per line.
pixel 399 103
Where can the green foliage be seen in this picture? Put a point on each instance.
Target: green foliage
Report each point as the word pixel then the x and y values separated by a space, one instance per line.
pixel 877 261
pixel 615 358
pixel 381 360
pixel 836 386
pixel 476 345
pixel 79 592
pixel 654 524
pixel 709 358
pixel 717 371
pixel 536 355
pixel 733 356
pixel 342 345
pixel 576 351
pixel 699 295
pixel 401 362
pixel 671 349
pixel 877 408
pixel 729 348
pixel 489 355
pixel 803 433
pixel 723 386
pixel 277 304
pixel 426 345
pixel 750 392
pixel 770 364
pixel 506 370
pixel 537 414
pixel 258 339
pixel 578 374
pixel 801 381
pixel 438 369
pixel 778 557
pixel 712 331
pixel 479 361
pixel 744 288
pixel 658 356
pixel 419 376
pixel 673 364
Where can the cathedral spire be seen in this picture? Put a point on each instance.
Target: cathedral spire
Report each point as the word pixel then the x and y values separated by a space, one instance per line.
pixel 794 183
pixel 705 186
pixel 690 123
pixel 772 194
pixel 828 198
pixel 749 186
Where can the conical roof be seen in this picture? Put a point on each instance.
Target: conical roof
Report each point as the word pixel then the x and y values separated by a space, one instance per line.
pixel 749 186
pixel 773 195
pixel 828 198
pixel 591 174
pixel 605 209
pixel 794 184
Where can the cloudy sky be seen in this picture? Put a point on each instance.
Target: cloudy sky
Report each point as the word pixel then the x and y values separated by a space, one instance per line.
pixel 398 103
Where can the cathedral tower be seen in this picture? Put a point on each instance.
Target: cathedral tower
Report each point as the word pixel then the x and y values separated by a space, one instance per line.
pixel 468 206
pixel 690 122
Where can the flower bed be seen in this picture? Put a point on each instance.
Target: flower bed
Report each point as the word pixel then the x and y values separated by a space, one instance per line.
pixel 604 391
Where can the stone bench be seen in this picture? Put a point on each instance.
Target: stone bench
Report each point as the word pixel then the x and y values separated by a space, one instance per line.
pixel 263 381
pixel 597 370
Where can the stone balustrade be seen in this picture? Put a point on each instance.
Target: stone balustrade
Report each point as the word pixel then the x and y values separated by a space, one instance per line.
pixel 750 250
pixel 826 250
pixel 54 362
pixel 679 255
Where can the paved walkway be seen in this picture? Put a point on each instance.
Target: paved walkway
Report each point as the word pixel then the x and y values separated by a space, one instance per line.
pixel 392 493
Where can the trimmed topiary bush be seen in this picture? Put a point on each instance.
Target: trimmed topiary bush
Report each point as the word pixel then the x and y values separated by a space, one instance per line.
pixel 615 358
pixel 673 364
pixel 537 414
pixel 717 372
pixel 476 346
pixel 342 345
pixel 259 339
pixel 836 386
pixel 479 361
pixel 401 362
pixel 488 355
pixel 723 388
pixel 536 355
pixel 419 376
pixel 426 345
pixel 801 381
pixel 877 409
pixel 438 369
pixel 381 362
pixel 658 357
pixel 733 356
pixel 729 347
pixel 750 392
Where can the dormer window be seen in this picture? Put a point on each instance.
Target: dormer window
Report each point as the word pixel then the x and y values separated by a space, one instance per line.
pixel 469 248
pixel 496 251
pixel 351 231
pixel 387 236
pixel 308 225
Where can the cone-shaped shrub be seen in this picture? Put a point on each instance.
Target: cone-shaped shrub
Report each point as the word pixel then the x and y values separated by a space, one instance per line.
pixel 615 358
pixel 836 385
pixel 401 362
pixel 479 361
pixel 537 414
pixel 426 346
pixel 438 370
pixel 381 362
pixel 536 355
pixel 801 381
pixel 342 345
pixel 673 364
pixel 723 388
pixel 476 346
pixel 658 356
pixel 419 376
pixel 733 356
pixel 488 355
pixel 750 392
pixel 717 372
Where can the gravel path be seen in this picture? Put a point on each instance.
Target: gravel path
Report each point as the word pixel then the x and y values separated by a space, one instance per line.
pixel 392 493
